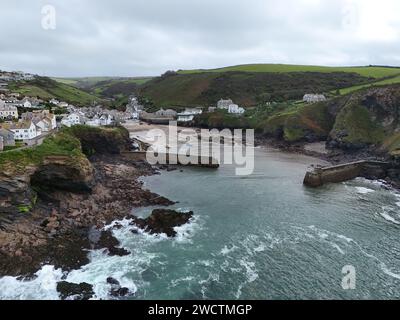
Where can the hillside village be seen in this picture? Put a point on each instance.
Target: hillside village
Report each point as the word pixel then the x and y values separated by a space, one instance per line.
pixel 26 120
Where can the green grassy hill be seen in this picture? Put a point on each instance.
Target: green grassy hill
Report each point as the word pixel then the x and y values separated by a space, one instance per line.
pixel 384 82
pixel 118 89
pixel 46 88
pixel 245 88
pixel 90 82
pixel 366 119
pixel 368 71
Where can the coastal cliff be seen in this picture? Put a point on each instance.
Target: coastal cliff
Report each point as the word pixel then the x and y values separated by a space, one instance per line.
pixel 55 197
pixel 366 123
pixel 57 164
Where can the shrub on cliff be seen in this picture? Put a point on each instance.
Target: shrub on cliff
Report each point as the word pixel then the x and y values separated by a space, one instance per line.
pixel 221 120
pixel 304 123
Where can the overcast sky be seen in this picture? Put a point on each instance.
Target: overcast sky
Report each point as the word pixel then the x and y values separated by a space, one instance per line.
pixel 148 37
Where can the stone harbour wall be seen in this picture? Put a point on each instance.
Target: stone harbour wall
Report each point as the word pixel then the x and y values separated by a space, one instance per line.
pixel 317 177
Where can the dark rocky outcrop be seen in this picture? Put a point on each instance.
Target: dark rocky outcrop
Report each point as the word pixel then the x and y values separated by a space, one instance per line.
pixel 102 141
pixel 72 291
pixel 368 120
pixel 163 221
pixel 54 176
pixel 19 189
pixel 116 290
pixel 15 193
pixel 105 239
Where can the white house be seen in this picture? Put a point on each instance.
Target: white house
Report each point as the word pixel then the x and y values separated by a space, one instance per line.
pixel 63 104
pixel 106 120
pixel 311 98
pixel 45 120
pixel 25 130
pixel 229 106
pixel 72 120
pixel 189 114
pixel 234 108
pixel 94 122
pixel 54 101
pixel 224 104
pixel 169 113
pixel 8 111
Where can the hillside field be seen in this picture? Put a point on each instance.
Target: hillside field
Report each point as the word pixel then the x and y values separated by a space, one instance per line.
pixel 368 71
pixel 46 88
pixel 248 89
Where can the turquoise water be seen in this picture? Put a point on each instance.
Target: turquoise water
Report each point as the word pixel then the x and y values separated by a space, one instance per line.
pixel 264 236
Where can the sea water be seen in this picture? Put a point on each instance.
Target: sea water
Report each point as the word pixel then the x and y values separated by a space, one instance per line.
pixel 263 236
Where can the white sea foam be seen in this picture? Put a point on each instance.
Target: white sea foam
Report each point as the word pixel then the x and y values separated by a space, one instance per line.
pixel 186 232
pixel 239 291
pixel 347 239
pixel 251 271
pixel 385 214
pixel 260 248
pixel 251 275
pixel 328 237
pixel 100 267
pixel 380 183
pixel 205 263
pixel 334 245
pixel 390 273
pixel 176 282
pixel 225 250
pixel 43 287
pixel 363 190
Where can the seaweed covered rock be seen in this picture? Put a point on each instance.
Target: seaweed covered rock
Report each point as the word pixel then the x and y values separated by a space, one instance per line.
pixel 117 291
pixel 105 240
pixel 163 221
pixel 72 291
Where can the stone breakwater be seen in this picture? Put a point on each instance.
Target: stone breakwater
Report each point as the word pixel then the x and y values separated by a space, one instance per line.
pixel 318 176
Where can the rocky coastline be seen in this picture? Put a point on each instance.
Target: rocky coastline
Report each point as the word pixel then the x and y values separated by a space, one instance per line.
pixel 64 225
pixel 55 212
pixel 337 156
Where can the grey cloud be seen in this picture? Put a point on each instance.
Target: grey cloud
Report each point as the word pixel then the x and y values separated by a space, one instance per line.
pixel 147 37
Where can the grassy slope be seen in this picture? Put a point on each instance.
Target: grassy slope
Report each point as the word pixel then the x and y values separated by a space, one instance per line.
pixel 296 123
pixel 374 72
pixel 384 82
pixel 71 142
pixel 60 144
pixel 76 81
pixel 359 126
pixel 357 122
pixel 86 82
pixel 118 89
pixel 245 88
pixel 46 88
